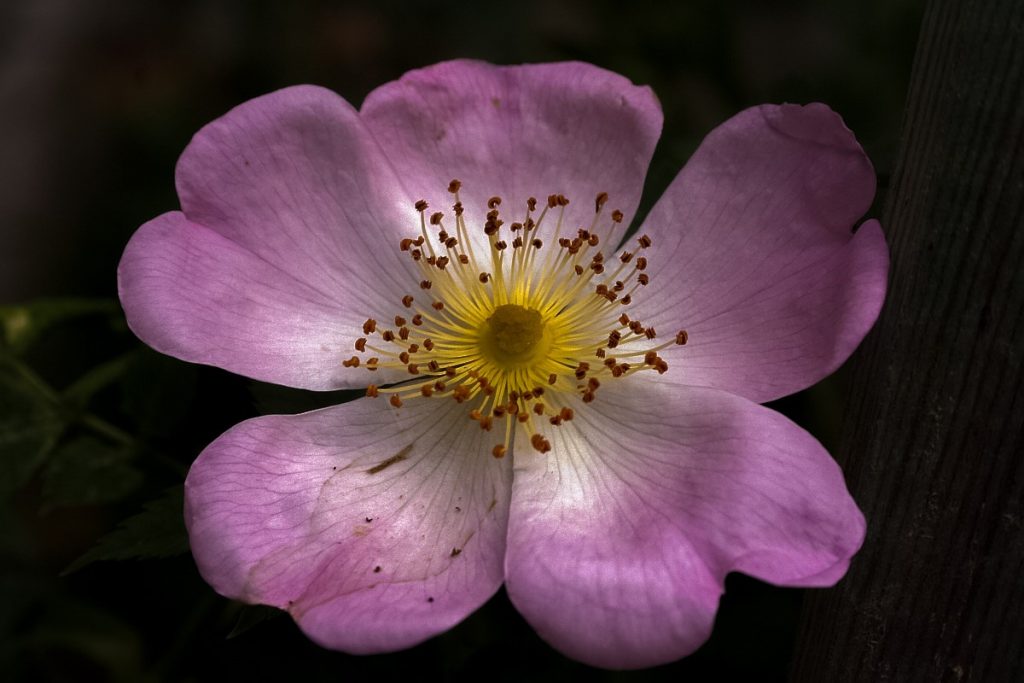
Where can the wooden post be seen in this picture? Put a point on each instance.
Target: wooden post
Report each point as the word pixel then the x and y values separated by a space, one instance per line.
pixel 933 445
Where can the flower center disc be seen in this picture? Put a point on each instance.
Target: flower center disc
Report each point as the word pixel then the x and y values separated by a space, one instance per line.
pixel 513 335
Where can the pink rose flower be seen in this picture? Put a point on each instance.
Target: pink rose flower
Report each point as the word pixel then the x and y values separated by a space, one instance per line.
pixel 576 422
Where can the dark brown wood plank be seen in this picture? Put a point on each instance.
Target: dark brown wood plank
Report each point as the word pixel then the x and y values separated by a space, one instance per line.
pixel 933 445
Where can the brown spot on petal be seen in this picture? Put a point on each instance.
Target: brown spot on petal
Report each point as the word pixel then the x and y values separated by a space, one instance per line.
pixel 397 457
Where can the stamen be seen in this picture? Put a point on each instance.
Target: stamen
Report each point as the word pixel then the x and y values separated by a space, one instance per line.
pixel 503 325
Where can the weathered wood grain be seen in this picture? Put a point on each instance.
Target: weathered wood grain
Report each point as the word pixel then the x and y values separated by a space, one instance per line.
pixel 934 440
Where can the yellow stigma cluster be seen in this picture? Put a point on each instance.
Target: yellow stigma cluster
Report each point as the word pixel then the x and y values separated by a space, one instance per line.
pixel 514 333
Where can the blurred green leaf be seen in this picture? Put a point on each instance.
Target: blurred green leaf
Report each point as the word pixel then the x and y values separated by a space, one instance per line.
pixel 158 531
pixel 251 616
pixel 48 635
pixel 159 392
pixel 23 323
pixel 273 399
pixel 30 424
pixel 88 471
pixel 97 378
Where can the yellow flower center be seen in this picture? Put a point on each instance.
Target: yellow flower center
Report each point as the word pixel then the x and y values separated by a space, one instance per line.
pixel 514 337
pixel 514 334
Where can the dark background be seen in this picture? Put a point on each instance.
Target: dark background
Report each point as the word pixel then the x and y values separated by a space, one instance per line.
pixel 98 100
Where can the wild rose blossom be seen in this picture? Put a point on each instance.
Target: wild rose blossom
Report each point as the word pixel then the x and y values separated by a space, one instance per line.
pixel 576 421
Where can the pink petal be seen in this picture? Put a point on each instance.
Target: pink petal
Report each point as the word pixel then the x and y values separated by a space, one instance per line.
pixel 516 132
pixel 297 179
pixel 194 294
pixel 288 243
pixel 620 538
pixel 754 255
pixel 374 528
